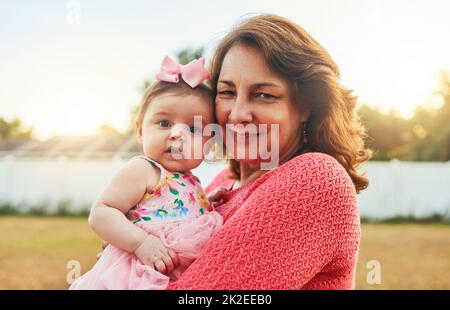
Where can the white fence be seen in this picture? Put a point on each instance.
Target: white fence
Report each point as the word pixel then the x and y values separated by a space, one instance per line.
pixel 418 189
pixel 396 188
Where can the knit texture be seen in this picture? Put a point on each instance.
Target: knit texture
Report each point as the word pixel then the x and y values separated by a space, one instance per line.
pixel 295 227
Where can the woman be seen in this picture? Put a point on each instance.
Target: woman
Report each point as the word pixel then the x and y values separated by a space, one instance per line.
pixel 295 226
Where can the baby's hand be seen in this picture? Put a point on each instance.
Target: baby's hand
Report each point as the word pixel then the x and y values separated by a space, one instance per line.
pixel 154 254
pixel 216 196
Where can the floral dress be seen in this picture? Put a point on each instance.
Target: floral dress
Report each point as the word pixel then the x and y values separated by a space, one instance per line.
pixel 177 211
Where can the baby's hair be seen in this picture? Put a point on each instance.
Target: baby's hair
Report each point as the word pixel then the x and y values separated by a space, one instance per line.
pixel 159 88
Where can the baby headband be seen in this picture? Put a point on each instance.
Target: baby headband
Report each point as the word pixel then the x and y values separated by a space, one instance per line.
pixel 193 73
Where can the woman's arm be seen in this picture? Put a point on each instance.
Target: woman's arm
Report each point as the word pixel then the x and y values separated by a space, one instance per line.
pixel 126 189
pixel 288 229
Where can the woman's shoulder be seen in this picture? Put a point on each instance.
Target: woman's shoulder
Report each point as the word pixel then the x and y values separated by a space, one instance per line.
pixel 310 173
pixel 312 165
pixel 313 183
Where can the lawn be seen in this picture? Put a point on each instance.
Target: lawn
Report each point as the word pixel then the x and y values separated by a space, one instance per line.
pixel 34 252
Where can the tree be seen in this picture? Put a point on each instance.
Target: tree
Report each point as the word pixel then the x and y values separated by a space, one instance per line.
pixel 442 129
pixel 13 129
pixel 424 137
pixel 388 133
pixel 431 127
pixel 108 130
pixel 186 55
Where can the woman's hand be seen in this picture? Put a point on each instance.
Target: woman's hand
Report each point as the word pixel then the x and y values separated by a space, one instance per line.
pixel 216 196
pixel 154 254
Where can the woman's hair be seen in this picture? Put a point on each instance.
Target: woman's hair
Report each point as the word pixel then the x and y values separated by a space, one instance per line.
pixel 289 51
pixel 159 88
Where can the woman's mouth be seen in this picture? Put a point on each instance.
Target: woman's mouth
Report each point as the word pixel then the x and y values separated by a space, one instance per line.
pixel 249 129
pixel 246 135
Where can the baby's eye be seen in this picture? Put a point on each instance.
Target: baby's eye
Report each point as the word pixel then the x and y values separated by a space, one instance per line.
pixel 194 129
pixel 164 123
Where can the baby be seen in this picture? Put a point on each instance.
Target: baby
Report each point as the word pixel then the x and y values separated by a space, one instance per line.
pixel 172 220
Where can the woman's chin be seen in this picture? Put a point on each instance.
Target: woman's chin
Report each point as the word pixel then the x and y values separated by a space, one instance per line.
pixel 250 162
pixel 244 154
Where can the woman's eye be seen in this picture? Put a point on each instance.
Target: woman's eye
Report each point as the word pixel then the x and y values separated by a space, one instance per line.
pixel 264 96
pixel 194 129
pixel 164 123
pixel 226 93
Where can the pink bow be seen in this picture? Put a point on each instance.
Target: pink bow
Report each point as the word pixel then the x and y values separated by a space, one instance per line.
pixel 193 73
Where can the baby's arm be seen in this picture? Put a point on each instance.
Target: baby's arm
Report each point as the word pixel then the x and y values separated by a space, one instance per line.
pixel 108 220
pixel 126 189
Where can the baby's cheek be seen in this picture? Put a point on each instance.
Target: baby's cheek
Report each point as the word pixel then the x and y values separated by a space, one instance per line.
pixel 193 153
pixel 189 164
pixel 208 143
pixel 197 147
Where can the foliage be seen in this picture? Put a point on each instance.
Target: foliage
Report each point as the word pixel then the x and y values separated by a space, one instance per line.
pixel 108 130
pixel 432 219
pixel 8 208
pixel 63 209
pixel 13 129
pixel 184 56
pixel 424 137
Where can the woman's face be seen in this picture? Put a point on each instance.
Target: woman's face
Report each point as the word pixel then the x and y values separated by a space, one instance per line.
pixel 248 92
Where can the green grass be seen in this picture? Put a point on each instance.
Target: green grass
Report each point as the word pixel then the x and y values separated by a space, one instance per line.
pixel 34 252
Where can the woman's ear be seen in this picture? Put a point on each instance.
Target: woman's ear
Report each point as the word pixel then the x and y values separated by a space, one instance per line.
pixel 139 131
pixel 304 116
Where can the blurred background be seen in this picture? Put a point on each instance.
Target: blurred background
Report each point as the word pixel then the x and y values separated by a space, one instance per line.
pixel 71 77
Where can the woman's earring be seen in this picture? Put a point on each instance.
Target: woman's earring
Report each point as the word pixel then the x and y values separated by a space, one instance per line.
pixel 304 133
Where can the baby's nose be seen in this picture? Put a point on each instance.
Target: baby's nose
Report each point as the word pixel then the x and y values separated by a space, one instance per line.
pixel 177 132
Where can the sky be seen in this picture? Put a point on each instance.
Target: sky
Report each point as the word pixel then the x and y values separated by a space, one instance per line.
pixel 67 67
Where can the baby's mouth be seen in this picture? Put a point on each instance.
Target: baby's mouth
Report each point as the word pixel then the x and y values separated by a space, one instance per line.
pixel 174 151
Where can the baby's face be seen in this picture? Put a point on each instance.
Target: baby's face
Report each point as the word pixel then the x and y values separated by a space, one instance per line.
pixel 168 134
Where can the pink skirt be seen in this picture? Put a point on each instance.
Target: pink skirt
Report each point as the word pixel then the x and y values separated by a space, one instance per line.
pixel 120 270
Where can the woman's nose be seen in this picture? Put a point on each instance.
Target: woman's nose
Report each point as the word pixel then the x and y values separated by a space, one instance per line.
pixel 241 111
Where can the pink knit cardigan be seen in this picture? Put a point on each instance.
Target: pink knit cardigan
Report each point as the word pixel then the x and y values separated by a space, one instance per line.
pixel 295 227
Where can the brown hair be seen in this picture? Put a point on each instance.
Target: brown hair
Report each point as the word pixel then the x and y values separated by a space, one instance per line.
pixel 159 88
pixel 333 126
